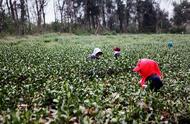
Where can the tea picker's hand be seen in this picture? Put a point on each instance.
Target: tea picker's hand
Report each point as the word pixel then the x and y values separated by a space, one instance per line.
pixel 144 86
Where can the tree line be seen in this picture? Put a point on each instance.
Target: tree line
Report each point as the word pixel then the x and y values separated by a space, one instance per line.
pixel 92 16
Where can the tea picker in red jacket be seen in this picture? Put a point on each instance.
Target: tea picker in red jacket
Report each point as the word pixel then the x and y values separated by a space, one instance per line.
pixel 117 51
pixel 149 71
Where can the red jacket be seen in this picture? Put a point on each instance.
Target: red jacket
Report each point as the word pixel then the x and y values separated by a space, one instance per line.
pixel 146 68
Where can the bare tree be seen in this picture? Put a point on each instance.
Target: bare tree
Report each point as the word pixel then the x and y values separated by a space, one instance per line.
pixel 40 11
pixel 1 15
pixel 28 16
pixel 170 1
pixel 12 10
pixel 55 10
pixel 69 13
pixel 61 4
pixel 8 7
pixel 23 16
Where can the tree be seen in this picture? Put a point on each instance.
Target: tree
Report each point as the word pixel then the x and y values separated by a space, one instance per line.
pixel 163 23
pixel 129 11
pixel 110 14
pixel 121 13
pixel 40 12
pixel 1 15
pixel 146 16
pixel 23 17
pixel 95 16
pixel 61 4
pixel 13 13
pixel 28 16
pixel 69 14
pixel 92 11
pixel 103 12
pixel 181 13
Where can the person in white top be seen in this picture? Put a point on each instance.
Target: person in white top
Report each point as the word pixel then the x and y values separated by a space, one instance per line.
pixel 96 54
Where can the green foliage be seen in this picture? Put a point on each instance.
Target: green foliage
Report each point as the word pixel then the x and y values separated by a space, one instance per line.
pixel 181 13
pixel 55 82
pixel 47 40
pixel 177 29
pixel 56 26
pixel 82 31
pixel 109 33
pixel 9 26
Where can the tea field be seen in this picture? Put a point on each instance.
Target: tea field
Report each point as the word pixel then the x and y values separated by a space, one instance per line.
pixel 48 79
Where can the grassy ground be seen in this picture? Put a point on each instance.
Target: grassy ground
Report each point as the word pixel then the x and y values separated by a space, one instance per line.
pixel 48 78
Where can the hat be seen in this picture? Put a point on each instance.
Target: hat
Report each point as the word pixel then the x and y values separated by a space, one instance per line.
pixel 96 51
pixel 170 43
pixel 117 50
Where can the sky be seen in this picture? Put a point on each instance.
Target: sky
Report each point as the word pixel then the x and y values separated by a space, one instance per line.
pixel 50 11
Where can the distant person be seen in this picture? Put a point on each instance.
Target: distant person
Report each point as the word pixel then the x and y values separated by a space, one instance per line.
pixel 96 54
pixel 117 53
pixel 170 44
pixel 149 71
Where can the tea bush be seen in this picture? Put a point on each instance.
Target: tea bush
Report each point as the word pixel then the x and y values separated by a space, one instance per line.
pixel 54 81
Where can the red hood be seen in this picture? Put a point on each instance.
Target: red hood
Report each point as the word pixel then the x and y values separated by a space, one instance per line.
pixel 117 49
pixel 145 68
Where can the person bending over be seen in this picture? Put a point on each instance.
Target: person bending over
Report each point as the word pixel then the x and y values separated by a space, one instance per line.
pixel 149 71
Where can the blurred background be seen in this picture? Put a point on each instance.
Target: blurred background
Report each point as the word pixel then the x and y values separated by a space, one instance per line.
pixel 20 17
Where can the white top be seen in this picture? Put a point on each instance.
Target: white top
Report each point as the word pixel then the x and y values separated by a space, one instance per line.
pixel 116 52
pixel 96 50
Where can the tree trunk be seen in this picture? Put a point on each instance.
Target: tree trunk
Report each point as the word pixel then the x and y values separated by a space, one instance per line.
pixel 1 16
pixel 93 21
pixel 12 10
pixel 138 15
pixel 23 14
pixel 98 26
pixel 39 18
pixel 42 5
pixel 44 19
pixel 121 25
pixel 61 11
pixel 28 16
pixel 1 3
pixel 103 14
pixel 9 10
pixel 54 9
pixel 17 26
pixel 87 14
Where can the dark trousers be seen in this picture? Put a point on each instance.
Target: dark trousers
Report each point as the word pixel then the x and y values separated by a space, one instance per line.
pixel 155 82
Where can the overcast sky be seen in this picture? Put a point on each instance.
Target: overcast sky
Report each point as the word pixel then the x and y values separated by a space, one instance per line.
pixel 50 12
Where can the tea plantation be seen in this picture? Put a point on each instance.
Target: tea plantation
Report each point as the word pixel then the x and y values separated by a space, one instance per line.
pixel 48 79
